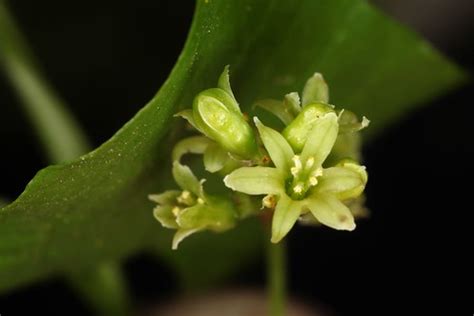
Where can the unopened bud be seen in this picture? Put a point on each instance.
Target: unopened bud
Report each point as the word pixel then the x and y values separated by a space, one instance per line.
pixel 296 133
pixel 216 113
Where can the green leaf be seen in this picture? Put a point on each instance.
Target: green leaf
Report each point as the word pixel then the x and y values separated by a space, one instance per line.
pixel 102 286
pixel 95 208
pixel 3 201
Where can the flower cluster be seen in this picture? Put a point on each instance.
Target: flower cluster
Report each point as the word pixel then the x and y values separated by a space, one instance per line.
pixel 309 171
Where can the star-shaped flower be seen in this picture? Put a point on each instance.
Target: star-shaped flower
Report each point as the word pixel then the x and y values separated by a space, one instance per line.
pixel 298 183
pixel 192 210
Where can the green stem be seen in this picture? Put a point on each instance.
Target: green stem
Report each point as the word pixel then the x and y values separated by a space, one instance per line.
pixel 56 128
pixel 63 139
pixel 104 288
pixel 276 257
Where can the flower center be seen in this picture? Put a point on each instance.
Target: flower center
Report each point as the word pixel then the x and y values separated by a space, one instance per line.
pixel 184 200
pixel 304 176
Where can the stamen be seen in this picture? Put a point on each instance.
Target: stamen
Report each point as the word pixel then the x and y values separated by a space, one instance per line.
pixel 298 188
pixel 298 166
pixel 294 171
pixel 269 201
pixel 297 161
pixel 309 163
pixel 175 211
pixel 313 181
pixel 200 201
pixel 318 172
pixel 186 198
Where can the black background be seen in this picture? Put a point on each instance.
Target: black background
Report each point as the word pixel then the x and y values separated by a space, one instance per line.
pixel 108 58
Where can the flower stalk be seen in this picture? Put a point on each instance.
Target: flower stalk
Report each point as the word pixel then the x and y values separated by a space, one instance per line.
pixel 276 278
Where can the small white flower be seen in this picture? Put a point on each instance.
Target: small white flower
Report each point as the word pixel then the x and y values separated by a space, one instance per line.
pixel 299 182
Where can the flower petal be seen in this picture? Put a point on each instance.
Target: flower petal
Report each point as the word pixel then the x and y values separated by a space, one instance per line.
pixel 347 145
pixel 164 214
pixel 286 214
pixel 217 217
pixel 277 108
pixel 191 145
pixel 215 157
pixel 321 139
pixel 349 122
pixel 167 197
pixel 315 90
pixel 188 116
pixel 345 181
pixel 278 148
pixel 331 212
pixel 292 103
pixel 186 179
pixel 308 219
pixel 357 207
pixel 224 84
pixel 255 180
pixel 181 234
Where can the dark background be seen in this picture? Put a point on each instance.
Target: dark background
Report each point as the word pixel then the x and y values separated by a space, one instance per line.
pixel 108 58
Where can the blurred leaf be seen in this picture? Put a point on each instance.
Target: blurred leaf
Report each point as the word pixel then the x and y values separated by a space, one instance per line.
pixel 95 208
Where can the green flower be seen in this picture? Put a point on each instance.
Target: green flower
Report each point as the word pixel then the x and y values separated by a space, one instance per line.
pixel 315 91
pixel 299 115
pixel 298 184
pixel 192 210
pixel 217 115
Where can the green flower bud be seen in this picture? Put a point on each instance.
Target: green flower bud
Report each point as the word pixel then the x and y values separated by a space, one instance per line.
pixel 296 133
pixel 315 90
pixel 217 115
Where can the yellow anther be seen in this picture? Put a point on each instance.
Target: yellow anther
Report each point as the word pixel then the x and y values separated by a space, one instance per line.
pixel 309 163
pixel 313 181
pixel 297 161
pixel 176 211
pixel 186 198
pixel 200 201
pixel 318 172
pixel 298 188
pixel 294 171
pixel 269 201
pixel 298 166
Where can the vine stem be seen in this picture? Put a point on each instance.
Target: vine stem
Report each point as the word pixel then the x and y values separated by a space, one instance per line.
pixel 63 139
pixel 56 128
pixel 276 278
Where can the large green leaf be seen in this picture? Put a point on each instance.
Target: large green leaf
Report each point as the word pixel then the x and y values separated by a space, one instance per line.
pixel 95 208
